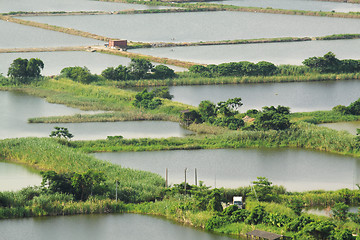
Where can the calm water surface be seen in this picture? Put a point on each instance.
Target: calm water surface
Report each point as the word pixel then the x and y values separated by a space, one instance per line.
pixel 308 5
pixel 299 96
pixel 55 61
pixel 297 170
pixel 66 5
pixel 17 108
pixel 95 227
pixel 203 26
pixel 13 36
pixel 343 126
pixel 14 177
pixel 277 53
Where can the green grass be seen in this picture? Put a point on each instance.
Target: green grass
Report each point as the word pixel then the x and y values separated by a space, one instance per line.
pixel 47 154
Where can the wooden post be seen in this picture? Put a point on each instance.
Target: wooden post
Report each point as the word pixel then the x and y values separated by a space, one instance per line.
pixel 185 180
pixel 166 178
pixel 195 177
pixel 116 190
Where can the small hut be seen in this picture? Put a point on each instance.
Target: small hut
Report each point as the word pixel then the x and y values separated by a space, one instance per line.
pixel 113 43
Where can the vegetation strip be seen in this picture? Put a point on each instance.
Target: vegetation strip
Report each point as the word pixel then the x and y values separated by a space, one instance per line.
pixel 221 7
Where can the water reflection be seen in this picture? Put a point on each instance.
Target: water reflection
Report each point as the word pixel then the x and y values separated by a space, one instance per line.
pixel 14 177
pixel 297 170
pixel 203 26
pixel 95 227
pixel 277 53
pixel 17 108
pixel 299 96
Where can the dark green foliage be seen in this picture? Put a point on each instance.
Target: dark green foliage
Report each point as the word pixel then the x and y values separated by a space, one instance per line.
pixel 162 92
pixel 223 114
pixel 344 234
pixel 330 64
pixel 340 108
pixel 78 74
pixel 297 205
pixel 190 116
pixel 215 201
pixel 81 185
pixel 340 211
pixel 207 110
pixel 299 223
pixel 162 72
pixel 23 70
pixel 256 215
pixel 216 222
pixel 139 68
pixel 265 68
pixel 61 132
pixel 230 209
pixel 319 229
pixel 273 118
pixel 239 215
pixel 120 73
pixel 57 182
pixel 87 183
pixel 146 100
pixel 354 108
pixel 235 69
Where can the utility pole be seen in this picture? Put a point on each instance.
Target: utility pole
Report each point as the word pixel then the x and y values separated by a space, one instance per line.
pixel 166 178
pixel 185 180
pixel 116 190
pixel 195 177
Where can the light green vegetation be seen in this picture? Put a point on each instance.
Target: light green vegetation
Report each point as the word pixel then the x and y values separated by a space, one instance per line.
pixel 48 154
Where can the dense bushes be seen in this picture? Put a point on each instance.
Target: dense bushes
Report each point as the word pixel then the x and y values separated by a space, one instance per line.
pixel 235 69
pixel 138 69
pixel 330 64
pixel 326 64
pixel 24 70
pixel 353 108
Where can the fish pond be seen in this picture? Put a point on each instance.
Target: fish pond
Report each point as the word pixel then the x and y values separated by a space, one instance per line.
pixel 278 53
pixel 299 96
pixel 17 108
pixel 296 169
pixel 203 26
pixel 106 227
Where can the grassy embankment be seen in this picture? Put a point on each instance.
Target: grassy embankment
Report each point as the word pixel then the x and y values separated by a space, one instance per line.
pixel 90 97
pixel 221 7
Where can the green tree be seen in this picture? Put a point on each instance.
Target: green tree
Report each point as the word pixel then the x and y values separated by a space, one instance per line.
pixel 325 64
pixel 207 110
pixel 139 68
pixel 273 118
pixel 266 68
pixel 344 234
pixel 57 182
pixel 256 215
pixel 146 100
pixel 263 189
pixel 215 201
pixel 354 108
pixel 319 229
pixel 162 72
pixel 23 70
pixel 78 74
pixel 162 92
pixel 61 132
pixel 84 183
pixel 120 73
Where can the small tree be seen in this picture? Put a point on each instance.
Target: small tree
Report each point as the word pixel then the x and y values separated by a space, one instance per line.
pixel 263 189
pixel 297 205
pixel 61 132
pixel 162 72
pixel 139 68
pixel 23 70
